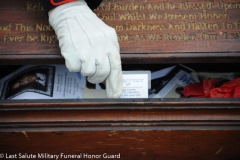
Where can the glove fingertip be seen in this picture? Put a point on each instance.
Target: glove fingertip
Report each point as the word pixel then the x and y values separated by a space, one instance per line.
pixel 114 87
pixel 114 95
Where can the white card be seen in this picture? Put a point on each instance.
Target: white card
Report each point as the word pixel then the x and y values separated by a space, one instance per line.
pixel 135 85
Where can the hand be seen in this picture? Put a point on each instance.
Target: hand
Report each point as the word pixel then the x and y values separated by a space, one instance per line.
pixel 88 45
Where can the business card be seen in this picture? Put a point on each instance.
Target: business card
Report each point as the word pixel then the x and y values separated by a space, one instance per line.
pixel 136 84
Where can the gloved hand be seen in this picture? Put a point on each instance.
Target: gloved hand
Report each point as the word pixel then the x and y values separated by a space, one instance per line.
pixel 88 45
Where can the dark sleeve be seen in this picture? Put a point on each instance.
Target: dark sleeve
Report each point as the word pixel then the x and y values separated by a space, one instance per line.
pixel 91 3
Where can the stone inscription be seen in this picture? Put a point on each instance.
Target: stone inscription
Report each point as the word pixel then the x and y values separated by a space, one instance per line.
pixel 146 21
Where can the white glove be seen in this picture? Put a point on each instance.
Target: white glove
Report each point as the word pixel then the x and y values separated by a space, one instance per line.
pixel 88 45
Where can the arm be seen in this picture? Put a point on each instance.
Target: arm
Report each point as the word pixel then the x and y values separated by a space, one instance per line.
pixel 88 45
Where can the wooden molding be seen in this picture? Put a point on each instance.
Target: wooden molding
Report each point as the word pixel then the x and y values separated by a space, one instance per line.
pixel 120 115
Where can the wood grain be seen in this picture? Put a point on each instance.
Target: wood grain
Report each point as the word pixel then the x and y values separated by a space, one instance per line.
pixel 137 129
pixel 152 31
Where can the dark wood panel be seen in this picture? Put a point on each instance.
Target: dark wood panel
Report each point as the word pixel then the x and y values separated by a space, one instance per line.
pixel 148 31
pixel 139 145
pixel 146 129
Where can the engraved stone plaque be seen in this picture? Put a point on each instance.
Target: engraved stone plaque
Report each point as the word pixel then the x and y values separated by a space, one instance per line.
pixel 155 27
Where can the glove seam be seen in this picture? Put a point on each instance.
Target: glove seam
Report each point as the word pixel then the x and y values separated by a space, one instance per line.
pixel 95 26
pixel 70 31
pixel 84 31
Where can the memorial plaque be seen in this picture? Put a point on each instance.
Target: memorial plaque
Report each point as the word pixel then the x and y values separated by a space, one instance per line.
pixel 155 26
pixel 144 27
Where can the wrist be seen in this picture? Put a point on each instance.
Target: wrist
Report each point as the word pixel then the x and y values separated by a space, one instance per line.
pixel 49 12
